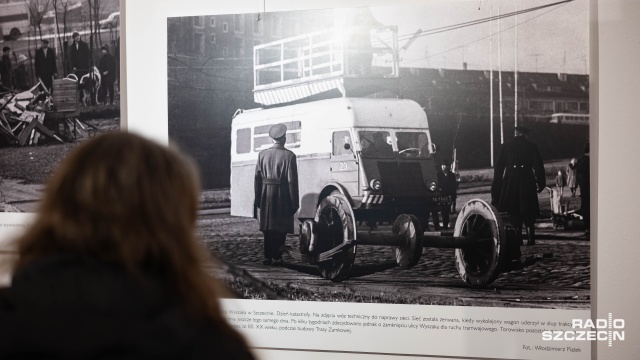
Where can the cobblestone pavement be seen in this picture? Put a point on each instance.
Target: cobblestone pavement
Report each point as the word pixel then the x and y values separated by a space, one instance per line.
pixel 560 282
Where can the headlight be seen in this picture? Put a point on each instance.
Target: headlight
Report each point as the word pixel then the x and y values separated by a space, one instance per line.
pixel 375 184
pixel 432 185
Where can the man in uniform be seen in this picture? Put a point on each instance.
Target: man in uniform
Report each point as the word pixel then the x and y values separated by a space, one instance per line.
pixel 45 64
pixel 276 194
pixel 518 177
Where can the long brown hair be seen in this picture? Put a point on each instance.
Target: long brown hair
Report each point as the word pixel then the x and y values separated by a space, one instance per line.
pixel 124 199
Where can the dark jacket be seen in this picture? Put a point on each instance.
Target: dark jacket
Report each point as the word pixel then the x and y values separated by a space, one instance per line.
pixel 276 188
pixel 448 184
pixel 80 58
pixel 518 175
pixel 45 67
pixel 5 71
pixel 72 307
pixel 108 65
pixel 21 78
pixel 582 175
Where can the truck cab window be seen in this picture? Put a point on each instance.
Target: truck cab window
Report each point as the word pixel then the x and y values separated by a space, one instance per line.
pixel 412 144
pixel 340 138
pixel 376 144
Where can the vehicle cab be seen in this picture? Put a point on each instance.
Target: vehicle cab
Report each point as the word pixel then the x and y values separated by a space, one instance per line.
pixel 378 153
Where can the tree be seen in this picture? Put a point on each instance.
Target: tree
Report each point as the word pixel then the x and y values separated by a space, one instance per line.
pixel 37 9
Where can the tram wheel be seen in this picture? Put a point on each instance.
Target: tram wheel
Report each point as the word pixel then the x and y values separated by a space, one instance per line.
pixel 335 225
pixel 479 265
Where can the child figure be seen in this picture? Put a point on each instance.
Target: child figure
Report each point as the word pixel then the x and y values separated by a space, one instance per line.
pixel 561 182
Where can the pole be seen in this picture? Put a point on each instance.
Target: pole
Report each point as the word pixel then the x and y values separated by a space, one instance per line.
pixel 500 77
pixel 515 102
pixel 491 83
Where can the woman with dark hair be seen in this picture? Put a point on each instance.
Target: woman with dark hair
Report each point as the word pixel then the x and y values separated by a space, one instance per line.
pixel 111 267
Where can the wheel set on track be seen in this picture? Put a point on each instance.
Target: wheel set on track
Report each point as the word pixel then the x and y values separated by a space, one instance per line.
pixel 484 246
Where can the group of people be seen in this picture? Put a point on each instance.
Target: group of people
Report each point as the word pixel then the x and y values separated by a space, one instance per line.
pixel 45 66
pixel 13 78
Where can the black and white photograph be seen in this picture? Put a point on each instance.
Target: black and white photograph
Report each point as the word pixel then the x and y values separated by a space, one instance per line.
pixel 59 86
pixel 434 154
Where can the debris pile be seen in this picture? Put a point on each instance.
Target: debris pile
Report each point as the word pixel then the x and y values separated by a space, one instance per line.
pixel 36 116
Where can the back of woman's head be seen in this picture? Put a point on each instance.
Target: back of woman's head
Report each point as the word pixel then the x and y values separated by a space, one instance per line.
pixel 118 197
pixel 123 199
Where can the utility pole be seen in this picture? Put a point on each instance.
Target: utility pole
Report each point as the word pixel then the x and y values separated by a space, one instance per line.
pixel 500 77
pixel 515 102
pixel 491 83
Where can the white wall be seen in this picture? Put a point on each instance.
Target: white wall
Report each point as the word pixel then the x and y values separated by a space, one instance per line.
pixel 615 91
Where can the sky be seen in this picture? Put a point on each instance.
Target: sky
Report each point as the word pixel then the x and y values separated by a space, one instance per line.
pixel 554 39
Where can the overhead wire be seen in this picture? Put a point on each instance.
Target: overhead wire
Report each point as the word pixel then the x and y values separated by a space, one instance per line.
pixel 563 3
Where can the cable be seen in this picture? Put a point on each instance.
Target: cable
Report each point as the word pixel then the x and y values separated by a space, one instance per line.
pixel 485 37
pixel 481 21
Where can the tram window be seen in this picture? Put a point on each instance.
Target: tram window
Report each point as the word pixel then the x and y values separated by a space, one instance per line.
pixel 412 144
pixel 376 144
pixel 243 141
pixel 340 138
pixel 261 139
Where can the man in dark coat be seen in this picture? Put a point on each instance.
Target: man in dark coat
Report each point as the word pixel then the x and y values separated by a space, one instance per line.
pixel 517 178
pixel 448 187
pixel 582 178
pixel 45 64
pixel 79 56
pixel 5 68
pixel 276 194
pixel 108 72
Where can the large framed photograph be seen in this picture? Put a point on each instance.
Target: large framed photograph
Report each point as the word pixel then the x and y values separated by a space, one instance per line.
pixel 60 86
pixel 381 106
pixel 312 70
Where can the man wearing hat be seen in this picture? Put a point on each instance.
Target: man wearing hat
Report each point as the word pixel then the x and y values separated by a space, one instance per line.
pixel 79 56
pixel 5 68
pixel 276 194
pixel 45 64
pixel 517 178
pixel 448 187
pixel 108 73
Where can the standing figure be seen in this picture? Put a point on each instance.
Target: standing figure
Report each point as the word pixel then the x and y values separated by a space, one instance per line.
pixel 448 187
pixel 108 72
pixel 561 182
pixel 571 177
pixel 582 177
pixel 5 68
pixel 79 56
pixel 276 194
pixel 45 64
pixel 517 178
pixel 20 76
